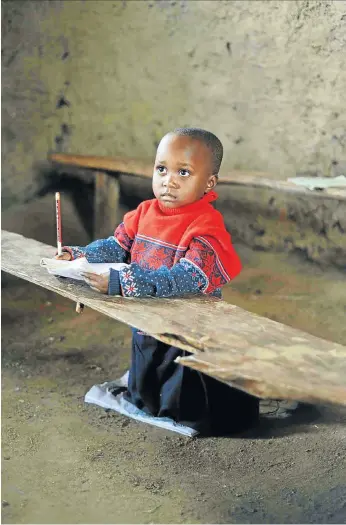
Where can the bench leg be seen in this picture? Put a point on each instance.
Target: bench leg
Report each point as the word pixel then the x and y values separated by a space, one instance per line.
pixel 106 205
pixel 79 308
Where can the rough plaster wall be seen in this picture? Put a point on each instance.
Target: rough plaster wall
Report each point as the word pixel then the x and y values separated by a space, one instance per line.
pixel 110 77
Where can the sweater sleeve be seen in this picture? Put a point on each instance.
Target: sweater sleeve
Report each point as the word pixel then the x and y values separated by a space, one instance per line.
pixel 113 249
pixel 200 271
pixel 116 248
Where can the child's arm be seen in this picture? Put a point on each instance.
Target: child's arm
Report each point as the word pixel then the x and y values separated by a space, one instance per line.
pixel 113 249
pixel 200 271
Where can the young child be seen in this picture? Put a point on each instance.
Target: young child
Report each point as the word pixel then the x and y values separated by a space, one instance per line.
pixel 175 244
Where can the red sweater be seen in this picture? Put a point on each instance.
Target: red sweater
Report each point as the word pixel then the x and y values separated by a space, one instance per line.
pixel 170 251
pixel 159 236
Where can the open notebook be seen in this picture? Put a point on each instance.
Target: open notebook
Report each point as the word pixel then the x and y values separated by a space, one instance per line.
pixel 74 269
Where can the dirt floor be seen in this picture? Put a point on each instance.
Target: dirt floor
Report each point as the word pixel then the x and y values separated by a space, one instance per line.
pixel 67 462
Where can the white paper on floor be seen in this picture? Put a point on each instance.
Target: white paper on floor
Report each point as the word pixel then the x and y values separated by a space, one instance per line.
pixel 102 396
pixel 313 183
pixel 74 269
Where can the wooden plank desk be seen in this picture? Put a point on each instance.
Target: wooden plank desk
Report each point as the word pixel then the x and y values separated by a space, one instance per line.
pixel 261 356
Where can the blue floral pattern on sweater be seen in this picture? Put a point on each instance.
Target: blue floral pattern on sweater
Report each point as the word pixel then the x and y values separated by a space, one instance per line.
pixel 159 270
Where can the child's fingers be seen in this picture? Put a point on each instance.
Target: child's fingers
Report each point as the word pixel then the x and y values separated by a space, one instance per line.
pixel 93 285
pixel 91 277
pixel 64 257
pixel 96 282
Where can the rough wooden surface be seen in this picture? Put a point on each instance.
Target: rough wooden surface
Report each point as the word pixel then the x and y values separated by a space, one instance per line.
pixel 144 169
pixel 256 354
pixel 117 164
pixel 106 208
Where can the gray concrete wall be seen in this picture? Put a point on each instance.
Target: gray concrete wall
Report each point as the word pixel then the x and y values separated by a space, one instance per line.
pixel 111 77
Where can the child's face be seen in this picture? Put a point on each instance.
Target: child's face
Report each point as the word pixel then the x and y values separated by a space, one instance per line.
pixel 182 171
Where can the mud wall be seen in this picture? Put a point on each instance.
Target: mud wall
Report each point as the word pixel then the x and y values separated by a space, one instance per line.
pixel 110 77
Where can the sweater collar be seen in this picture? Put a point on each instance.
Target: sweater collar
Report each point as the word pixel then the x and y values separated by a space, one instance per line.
pixel 188 208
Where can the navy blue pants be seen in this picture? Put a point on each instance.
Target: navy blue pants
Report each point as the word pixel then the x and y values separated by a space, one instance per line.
pixel 163 388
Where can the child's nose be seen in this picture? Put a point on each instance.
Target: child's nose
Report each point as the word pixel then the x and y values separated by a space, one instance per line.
pixel 170 180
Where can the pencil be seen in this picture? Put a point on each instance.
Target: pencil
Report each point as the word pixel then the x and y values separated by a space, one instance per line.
pixel 79 306
pixel 58 222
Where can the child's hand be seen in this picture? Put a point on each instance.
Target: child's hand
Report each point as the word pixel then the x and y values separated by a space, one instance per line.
pixel 97 282
pixel 66 256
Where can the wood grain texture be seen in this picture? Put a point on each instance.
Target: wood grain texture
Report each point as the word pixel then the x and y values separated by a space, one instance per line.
pixel 142 168
pixel 116 164
pixel 256 354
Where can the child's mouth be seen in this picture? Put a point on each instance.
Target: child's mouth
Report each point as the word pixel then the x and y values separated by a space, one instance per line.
pixel 168 197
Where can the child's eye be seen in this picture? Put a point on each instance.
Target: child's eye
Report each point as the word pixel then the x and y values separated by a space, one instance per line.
pixel 161 169
pixel 184 173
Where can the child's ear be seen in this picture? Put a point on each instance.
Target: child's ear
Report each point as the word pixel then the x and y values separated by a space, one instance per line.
pixel 212 181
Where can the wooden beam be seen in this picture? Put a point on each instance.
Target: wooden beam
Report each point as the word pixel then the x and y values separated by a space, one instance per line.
pixel 116 164
pixel 106 205
pixel 256 354
pixel 142 168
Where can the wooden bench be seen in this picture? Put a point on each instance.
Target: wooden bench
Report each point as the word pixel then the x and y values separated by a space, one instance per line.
pixel 106 171
pixel 258 355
